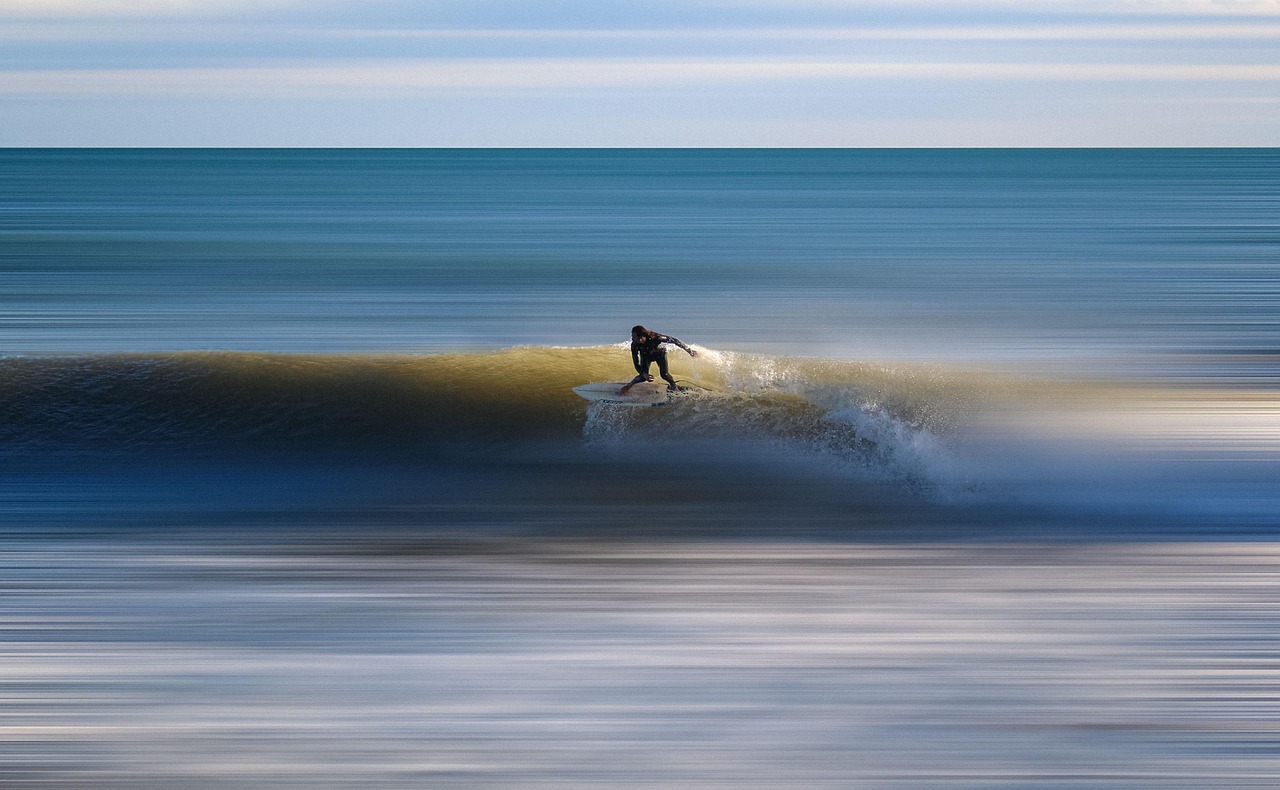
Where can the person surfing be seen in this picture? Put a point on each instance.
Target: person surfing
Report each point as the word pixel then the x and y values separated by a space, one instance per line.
pixel 646 348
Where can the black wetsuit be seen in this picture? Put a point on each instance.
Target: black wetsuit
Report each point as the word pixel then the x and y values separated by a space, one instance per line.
pixel 649 351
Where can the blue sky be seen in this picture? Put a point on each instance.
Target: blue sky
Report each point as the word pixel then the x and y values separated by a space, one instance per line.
pixel 692 73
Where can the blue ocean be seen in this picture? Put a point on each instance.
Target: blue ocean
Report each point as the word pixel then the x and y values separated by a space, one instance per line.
pixel 974 480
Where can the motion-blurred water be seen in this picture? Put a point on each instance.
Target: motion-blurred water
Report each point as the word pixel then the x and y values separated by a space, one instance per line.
pixel 975 484
pixel 1043 256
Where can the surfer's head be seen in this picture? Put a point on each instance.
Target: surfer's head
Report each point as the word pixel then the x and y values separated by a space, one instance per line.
pixel 638 332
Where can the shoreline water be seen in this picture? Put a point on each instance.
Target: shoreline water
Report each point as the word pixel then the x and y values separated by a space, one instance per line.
pixel 672 664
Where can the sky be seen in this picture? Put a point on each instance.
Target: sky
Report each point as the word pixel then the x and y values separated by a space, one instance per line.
pixel 639 73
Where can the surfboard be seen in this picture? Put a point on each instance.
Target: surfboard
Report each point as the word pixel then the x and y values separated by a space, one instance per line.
pixel 642 394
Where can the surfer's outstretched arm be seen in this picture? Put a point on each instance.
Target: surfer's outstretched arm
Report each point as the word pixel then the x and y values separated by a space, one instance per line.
pixel 676 342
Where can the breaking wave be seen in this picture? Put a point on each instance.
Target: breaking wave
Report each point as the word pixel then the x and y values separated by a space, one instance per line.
pixel 867 419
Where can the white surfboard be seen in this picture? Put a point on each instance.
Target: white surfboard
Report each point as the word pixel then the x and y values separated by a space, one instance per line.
pixel 642 394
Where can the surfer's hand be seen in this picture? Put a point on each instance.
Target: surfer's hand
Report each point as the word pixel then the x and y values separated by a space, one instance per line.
pixel 649 377
pixel 692 353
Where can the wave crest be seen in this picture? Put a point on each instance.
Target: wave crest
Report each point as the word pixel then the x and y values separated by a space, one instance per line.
pixel 826 415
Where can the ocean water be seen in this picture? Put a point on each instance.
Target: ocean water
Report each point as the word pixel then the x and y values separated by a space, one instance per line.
pixel 974 482
pixel 1023 255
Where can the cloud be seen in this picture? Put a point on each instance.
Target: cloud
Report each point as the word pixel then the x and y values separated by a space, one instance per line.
pixel 1138 7
pixel 99 9
pixel 1076 32
pixel 223 30
pixel 357 78
pixel 511 9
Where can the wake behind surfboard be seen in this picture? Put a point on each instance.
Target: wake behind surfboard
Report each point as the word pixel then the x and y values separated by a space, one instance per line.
pixel 642 394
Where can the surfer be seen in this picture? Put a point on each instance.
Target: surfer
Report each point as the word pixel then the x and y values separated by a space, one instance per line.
pixel 646 348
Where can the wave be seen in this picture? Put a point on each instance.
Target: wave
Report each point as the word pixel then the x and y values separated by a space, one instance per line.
pixel 877 419
pixel 758 438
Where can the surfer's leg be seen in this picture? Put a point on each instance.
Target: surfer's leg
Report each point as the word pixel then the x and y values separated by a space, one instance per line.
pixel 642 377
pixel 666 374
